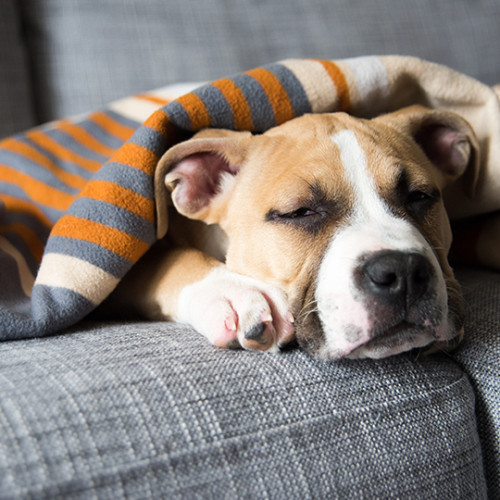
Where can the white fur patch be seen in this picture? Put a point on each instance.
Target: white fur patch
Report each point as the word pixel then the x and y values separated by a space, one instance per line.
pixel 225 298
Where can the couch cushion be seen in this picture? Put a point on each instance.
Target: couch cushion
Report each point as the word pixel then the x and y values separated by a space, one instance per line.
pixel 479 355
pixel 150 410
pixel 15 92
pixel 87 53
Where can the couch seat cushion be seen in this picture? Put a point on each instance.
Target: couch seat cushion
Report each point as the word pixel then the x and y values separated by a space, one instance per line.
pixel 152 410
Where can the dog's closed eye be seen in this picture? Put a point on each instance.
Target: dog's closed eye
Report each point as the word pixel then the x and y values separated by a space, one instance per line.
pixel 419 202
pixel 308 217
pixel 310 213
pixel 299 213
pixel 415 198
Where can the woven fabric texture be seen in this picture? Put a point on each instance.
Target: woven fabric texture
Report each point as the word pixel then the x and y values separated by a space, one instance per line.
pixel 16 110
pixel 479 355
pixel 153 411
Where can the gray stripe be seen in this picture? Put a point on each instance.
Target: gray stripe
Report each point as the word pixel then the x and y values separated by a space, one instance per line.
pixel 298 98
pixel 11 295
pixel 221 115
pixel 14 190
pixel 65 140
pixel 10 217
pixel 90 252
pixel 112 216
pixel 56 308
pixel 149 139
pixel 127 177
pixel 178 115
pixel 23 249
pixel 260 106
pixel 38 172
pixel 101 134
pixel 50 309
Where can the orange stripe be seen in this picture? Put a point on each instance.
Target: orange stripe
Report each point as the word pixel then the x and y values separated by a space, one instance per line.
pixel 123 244
pixel 33 154
pixel 81 136
pixel 239 105
pixel 13 204
pixel 112 127
pixel 160 122
pixel 121 197
pixel 277 95
pixel 197 111
pixel 63 153
pixel 152 98
pixel 157 121
pixel 28 236
pixel 136 156
pixel 37 191
pixel 340 82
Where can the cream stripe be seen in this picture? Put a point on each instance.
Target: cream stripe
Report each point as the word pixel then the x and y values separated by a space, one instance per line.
pixel 171 92
pixel 134 109
pixel 140 109
pixel 64 271
pixel 317 84
pixel 26 278
pixel 372 83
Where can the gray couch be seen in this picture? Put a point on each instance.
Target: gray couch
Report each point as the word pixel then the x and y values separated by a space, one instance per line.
pixel 151 410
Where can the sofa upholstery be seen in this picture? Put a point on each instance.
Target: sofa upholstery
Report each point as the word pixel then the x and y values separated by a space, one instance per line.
pixel 150 410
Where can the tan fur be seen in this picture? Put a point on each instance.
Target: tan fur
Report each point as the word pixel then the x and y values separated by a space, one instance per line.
pixel 276 170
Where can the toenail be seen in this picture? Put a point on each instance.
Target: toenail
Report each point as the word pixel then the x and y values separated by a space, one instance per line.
pixel 255 333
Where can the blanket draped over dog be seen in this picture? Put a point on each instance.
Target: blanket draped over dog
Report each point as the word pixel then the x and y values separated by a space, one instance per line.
pixel 81 200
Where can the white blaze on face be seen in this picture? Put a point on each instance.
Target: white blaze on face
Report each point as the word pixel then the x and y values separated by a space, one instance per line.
pixel 370 228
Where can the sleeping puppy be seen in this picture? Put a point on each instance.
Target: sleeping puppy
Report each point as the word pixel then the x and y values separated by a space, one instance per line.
pixel 329 229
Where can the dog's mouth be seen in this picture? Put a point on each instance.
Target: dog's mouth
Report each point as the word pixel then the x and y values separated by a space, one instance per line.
pixel 402 337
pixel 395 339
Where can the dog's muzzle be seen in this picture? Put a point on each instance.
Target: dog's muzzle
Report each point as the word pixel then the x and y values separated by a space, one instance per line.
pixel 391 301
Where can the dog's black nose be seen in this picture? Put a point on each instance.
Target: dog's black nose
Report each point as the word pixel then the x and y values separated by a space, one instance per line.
pixel 396 276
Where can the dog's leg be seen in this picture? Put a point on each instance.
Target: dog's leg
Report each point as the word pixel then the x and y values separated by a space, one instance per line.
pixel 229 309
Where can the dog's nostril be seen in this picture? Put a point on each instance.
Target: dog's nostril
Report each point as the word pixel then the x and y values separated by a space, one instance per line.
pixel 383 278
pixel 396 275
pixel 419 275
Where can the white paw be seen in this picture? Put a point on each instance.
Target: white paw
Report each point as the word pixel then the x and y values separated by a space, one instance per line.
pixel 230 310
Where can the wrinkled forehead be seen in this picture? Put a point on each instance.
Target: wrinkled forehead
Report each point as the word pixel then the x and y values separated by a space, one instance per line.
pixel 327 151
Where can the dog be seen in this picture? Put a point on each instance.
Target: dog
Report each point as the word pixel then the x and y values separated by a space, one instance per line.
pixel 327 229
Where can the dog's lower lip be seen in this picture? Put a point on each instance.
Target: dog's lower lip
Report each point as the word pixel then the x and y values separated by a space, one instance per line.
pixel 392 336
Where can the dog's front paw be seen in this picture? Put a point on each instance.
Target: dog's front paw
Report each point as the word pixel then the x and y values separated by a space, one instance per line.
pixel 231 310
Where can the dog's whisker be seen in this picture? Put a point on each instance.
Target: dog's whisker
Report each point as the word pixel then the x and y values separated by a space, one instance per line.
pixel 308 309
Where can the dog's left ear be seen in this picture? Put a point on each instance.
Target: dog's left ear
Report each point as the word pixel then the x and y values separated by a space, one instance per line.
pixel 199 172
pixel 447 140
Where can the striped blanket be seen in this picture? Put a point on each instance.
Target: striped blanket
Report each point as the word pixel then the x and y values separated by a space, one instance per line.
pixel 81 200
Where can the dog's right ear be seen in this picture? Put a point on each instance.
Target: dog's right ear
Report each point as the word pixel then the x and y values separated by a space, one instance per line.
pixel 200 172
pixel 446 138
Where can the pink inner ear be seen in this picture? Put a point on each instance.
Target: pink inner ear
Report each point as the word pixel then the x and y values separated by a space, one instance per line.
pixel 447 148
pixel 198 180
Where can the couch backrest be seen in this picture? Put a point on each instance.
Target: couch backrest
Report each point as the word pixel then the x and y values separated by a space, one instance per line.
pixel 16 106
pixel 79 54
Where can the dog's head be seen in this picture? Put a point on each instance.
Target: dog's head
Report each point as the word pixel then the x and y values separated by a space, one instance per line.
pixel 346 215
